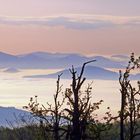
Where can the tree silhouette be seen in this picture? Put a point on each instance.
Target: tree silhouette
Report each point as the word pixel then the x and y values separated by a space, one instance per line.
pixel 74 117
pixel 50 116
pixel 79 107
pixel 130 102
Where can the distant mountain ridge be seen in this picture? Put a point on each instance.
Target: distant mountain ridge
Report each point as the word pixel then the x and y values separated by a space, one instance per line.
pixel 10 114
pixel 45 60
pixel 11 70
pixel 91 72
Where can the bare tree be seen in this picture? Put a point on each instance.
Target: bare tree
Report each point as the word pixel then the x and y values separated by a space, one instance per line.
pixel 130 102
pixel 81 110
pixel 73 120
pixel 51 116
pixel 78 107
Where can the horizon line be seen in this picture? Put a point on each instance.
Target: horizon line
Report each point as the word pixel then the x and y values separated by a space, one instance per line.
pixel 66 53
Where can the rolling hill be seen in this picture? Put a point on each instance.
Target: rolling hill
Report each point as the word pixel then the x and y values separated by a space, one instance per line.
pixel 91 72
pixel 45 60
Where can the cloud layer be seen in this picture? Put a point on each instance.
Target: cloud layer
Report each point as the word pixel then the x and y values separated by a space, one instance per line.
pixel 73 21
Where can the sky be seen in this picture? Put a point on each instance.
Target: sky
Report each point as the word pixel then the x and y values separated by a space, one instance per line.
pixel 76 26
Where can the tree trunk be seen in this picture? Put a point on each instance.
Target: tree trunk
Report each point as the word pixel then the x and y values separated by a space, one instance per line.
pixel 76 134
pixel 122 117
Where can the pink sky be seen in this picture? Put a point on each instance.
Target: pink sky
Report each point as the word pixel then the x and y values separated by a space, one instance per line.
pixel 79 26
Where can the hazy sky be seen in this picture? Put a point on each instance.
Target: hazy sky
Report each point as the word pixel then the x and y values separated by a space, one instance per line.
pixel 80 26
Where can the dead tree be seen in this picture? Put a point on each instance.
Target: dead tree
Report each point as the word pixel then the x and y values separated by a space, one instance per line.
pixel 76 86
pixel 130 102
pixel 74 121
pixel 57 113
pixel 51 116
pixel 81 109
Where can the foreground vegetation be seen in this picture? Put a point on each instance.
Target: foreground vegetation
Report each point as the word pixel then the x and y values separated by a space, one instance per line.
pixel 34 132
pixel 73 115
